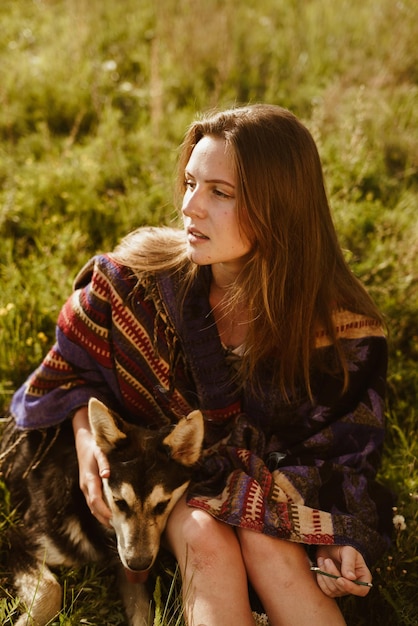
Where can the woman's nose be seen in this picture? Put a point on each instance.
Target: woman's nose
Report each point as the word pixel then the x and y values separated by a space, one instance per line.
pixel 193 204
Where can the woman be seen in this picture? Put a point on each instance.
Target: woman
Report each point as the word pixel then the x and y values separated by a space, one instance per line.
pixel 251 314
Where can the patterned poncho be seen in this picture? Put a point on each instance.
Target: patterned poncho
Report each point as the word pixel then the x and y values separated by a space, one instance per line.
pixel 299 470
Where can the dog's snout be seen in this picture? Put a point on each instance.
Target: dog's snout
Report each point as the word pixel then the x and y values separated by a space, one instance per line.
pixel 140 563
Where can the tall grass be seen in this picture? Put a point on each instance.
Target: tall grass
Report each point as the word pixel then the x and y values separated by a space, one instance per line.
pixel 95 96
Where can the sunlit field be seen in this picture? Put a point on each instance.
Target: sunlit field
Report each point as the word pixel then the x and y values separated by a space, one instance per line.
pixel 95 96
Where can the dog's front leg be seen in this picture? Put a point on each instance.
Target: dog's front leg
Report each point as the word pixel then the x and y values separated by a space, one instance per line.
pixel 136 601
pixel 40 594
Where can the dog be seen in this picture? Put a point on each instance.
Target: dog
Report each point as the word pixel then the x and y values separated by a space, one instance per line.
pixel 149 472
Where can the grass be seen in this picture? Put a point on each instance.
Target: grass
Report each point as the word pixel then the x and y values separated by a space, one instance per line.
pixel 95 96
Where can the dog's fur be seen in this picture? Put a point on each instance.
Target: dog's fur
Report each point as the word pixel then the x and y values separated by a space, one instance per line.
pixel 149 472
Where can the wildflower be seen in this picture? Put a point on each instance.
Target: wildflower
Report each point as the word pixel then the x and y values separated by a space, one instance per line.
pixel 6 309
pixel 29 341
pixel 399 522
pixel 126 87
pixel 42 337
pixel 109 66
pixel 261 620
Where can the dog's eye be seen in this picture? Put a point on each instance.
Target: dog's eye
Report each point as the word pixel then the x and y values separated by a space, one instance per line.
pixel 122 505
pixel 160 507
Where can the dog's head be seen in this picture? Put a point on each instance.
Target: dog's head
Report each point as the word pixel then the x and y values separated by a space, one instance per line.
pixel 149 472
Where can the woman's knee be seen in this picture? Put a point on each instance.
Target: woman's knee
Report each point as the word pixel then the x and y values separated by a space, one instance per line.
pixel 258 548
pixel 196 537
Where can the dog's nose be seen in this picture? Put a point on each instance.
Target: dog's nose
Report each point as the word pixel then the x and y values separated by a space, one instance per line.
pixel 139 563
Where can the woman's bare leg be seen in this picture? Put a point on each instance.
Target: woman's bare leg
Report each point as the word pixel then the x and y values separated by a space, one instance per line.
pixel 279 572
pixel 215 589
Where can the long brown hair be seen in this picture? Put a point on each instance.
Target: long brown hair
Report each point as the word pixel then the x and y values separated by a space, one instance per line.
pixel 296 275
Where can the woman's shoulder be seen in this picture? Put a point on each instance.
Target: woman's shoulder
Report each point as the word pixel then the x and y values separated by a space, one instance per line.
pixel 349 325
pixel 101 267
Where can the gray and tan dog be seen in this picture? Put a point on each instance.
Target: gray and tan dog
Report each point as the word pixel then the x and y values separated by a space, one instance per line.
pixel 149 472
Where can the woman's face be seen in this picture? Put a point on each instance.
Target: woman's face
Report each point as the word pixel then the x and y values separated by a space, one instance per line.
pixel 209 207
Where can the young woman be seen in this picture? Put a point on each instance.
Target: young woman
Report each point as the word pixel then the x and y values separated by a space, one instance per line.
pixel 251 314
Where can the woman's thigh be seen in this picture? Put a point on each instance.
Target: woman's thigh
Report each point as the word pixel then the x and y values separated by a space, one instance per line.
pixel 215 589
pixel 279 572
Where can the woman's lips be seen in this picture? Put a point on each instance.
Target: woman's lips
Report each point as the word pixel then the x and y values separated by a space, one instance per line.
pixel 195 235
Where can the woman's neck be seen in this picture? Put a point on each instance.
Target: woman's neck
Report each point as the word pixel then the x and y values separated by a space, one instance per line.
pixel 224 275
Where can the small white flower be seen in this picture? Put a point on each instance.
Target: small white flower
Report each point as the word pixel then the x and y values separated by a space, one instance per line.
pixel 261 620
pixel 126 87
pixel 399 522
pixel 109 66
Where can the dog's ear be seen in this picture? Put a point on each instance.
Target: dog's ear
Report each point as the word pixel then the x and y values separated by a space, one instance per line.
pixel 184 442
pixel 103 425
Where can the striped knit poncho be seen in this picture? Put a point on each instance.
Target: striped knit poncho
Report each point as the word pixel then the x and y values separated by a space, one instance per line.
pixel 302 471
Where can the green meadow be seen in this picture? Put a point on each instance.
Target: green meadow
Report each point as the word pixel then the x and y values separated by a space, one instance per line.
pixel 95 96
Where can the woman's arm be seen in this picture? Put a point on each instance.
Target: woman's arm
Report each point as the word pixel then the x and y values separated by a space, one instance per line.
pixel 93 466
pixel 80 364
pixel 334 467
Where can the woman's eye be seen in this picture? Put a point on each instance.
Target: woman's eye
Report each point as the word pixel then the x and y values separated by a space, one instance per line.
pixel 189 184
pixel 221 194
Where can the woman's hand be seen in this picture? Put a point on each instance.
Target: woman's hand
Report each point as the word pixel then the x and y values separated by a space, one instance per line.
pixel 347 563
pixel 93 466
